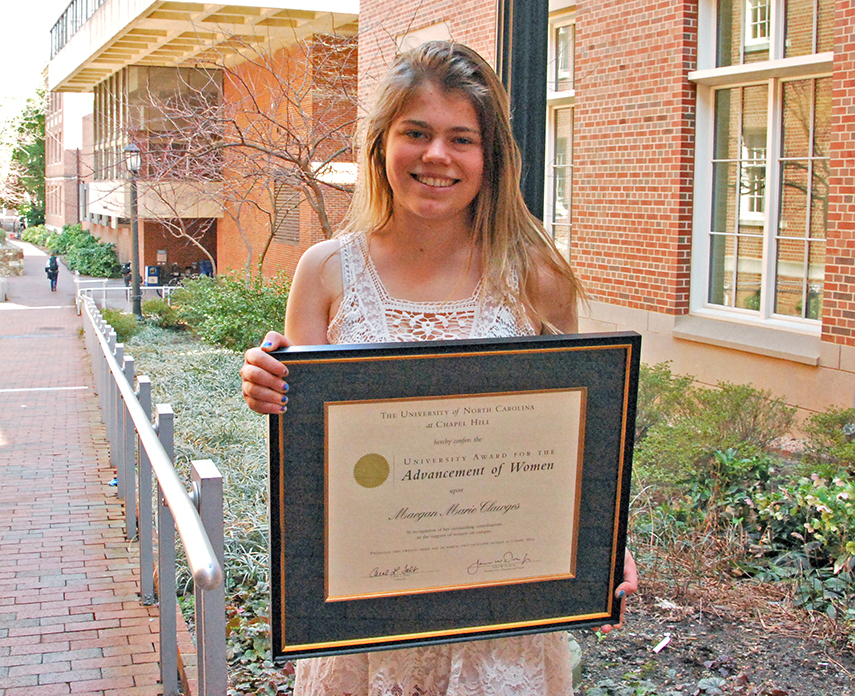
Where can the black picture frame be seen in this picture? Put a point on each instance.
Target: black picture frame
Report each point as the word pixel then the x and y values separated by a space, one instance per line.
pixel 303 624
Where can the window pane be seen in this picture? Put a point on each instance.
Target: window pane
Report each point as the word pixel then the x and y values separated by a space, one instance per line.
pixel 750 265
pixel 797 118
pixel 825 31
pixel 800 26
pixel 816 280
pixel 724 197
pixel 721 269
pixel 822 118
pixel 794 188
pixel 819 199
pixel 748 252
pixel 564 40
pixel 789 286
pixel 752 179
pixel 726 144
pixel 729 22
pixel 798 294
pixel 754 108
pixel 562 177
pixel 757 27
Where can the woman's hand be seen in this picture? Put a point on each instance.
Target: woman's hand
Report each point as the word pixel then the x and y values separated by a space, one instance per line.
pixel 627 587
pixel 263 377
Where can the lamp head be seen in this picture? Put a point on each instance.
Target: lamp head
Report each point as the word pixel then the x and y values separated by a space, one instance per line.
pixel 133 159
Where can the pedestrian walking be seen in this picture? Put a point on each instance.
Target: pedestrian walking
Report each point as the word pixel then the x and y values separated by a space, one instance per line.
pixel 438 244
pixel 52 270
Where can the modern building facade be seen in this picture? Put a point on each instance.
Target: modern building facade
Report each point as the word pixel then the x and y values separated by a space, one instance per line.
pixel 699 167
pixel 182 81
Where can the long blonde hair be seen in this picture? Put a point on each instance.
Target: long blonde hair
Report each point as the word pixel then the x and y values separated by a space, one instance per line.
pixel 512 241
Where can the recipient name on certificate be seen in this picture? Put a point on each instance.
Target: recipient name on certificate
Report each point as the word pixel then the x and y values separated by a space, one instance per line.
pixel 433 494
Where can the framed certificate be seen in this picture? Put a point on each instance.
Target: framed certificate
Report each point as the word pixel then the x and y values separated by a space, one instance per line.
pixel 443 491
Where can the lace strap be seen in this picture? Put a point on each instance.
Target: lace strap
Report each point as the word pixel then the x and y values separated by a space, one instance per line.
pixel 360 292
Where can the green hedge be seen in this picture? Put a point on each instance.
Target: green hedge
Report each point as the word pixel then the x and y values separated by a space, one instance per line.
pixel 232 310
pixel 82 252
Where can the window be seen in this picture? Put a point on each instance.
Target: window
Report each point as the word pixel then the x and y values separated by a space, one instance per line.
pixel 559 140
pixel 757 24
pixel 286 214
pixel 761 209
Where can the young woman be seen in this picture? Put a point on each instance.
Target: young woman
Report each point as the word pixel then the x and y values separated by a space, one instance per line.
pixel 438 244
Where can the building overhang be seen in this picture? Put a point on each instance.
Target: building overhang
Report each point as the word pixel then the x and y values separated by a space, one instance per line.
pixel 186 34
pixel 159 200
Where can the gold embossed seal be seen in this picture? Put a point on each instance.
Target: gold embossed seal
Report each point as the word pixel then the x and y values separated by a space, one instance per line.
pixel 371 471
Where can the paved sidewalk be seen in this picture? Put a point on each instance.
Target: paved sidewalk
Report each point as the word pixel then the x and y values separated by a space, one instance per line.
pixel 70 616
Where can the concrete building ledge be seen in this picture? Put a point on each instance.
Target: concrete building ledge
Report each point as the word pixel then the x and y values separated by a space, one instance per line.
pixel 750 339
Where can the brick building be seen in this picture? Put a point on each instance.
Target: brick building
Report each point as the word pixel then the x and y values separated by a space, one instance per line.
pixel 67 162
pixel 698 160
pixel 699 165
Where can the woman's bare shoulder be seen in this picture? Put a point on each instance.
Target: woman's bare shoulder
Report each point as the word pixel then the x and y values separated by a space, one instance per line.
pixel 556 296
pixel 315 291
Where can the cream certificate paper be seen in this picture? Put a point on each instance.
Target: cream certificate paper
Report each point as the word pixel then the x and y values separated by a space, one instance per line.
pixel 425 495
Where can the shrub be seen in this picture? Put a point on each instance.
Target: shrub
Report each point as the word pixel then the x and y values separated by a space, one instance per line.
pixel 814 515
pixel 733 416
pixel 161 313
pixel 232 310
pixel 202 384
pixel 830 441
pixel 90 256
pixel 40 236
pixel 82 251
pixel 125 325
pixel 660 394
pixel 71 236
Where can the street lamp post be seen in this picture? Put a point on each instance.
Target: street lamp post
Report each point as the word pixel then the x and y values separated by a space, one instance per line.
pixel 134 162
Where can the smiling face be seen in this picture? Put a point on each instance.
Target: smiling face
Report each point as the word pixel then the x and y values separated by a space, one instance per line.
pixel 434 160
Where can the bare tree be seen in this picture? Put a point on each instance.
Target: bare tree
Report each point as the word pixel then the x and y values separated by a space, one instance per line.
pixel 256 135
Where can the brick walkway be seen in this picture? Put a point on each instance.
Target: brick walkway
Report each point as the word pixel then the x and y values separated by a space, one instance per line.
pixel 71 620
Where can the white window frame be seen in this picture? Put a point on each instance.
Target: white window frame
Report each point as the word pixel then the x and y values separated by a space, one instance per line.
pixel 563 16
pixel 753 207
pixel 773 72
pixel 753 9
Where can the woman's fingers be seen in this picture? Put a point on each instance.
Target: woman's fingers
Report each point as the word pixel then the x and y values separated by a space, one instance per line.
pixel 627 587
pixel 263 377
pixel 273 341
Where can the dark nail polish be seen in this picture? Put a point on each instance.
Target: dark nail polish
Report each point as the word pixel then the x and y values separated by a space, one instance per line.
pixel 621 594
pixel 284 399
pixel 285 386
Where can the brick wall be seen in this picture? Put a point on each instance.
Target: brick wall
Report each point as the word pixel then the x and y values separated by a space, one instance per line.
pixel 472 22
pixel 300 96
pixel 633 152
pixel 154 237
pixel 838 321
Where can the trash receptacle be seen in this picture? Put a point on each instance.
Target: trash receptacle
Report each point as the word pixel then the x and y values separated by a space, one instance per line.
pixel 152 275
pixel 206 268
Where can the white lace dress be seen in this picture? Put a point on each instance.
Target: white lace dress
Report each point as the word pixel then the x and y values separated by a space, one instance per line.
pixel 536 665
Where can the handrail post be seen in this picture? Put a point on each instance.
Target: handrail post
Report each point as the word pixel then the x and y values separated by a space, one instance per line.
pixel 146 528
pixel 116 452
pixel 76 275
pixel 211 604
pixel 164 423
pixel 129 456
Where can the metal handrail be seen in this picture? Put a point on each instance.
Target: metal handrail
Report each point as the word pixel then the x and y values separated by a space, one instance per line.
pixel 136 443
pixel 204 567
